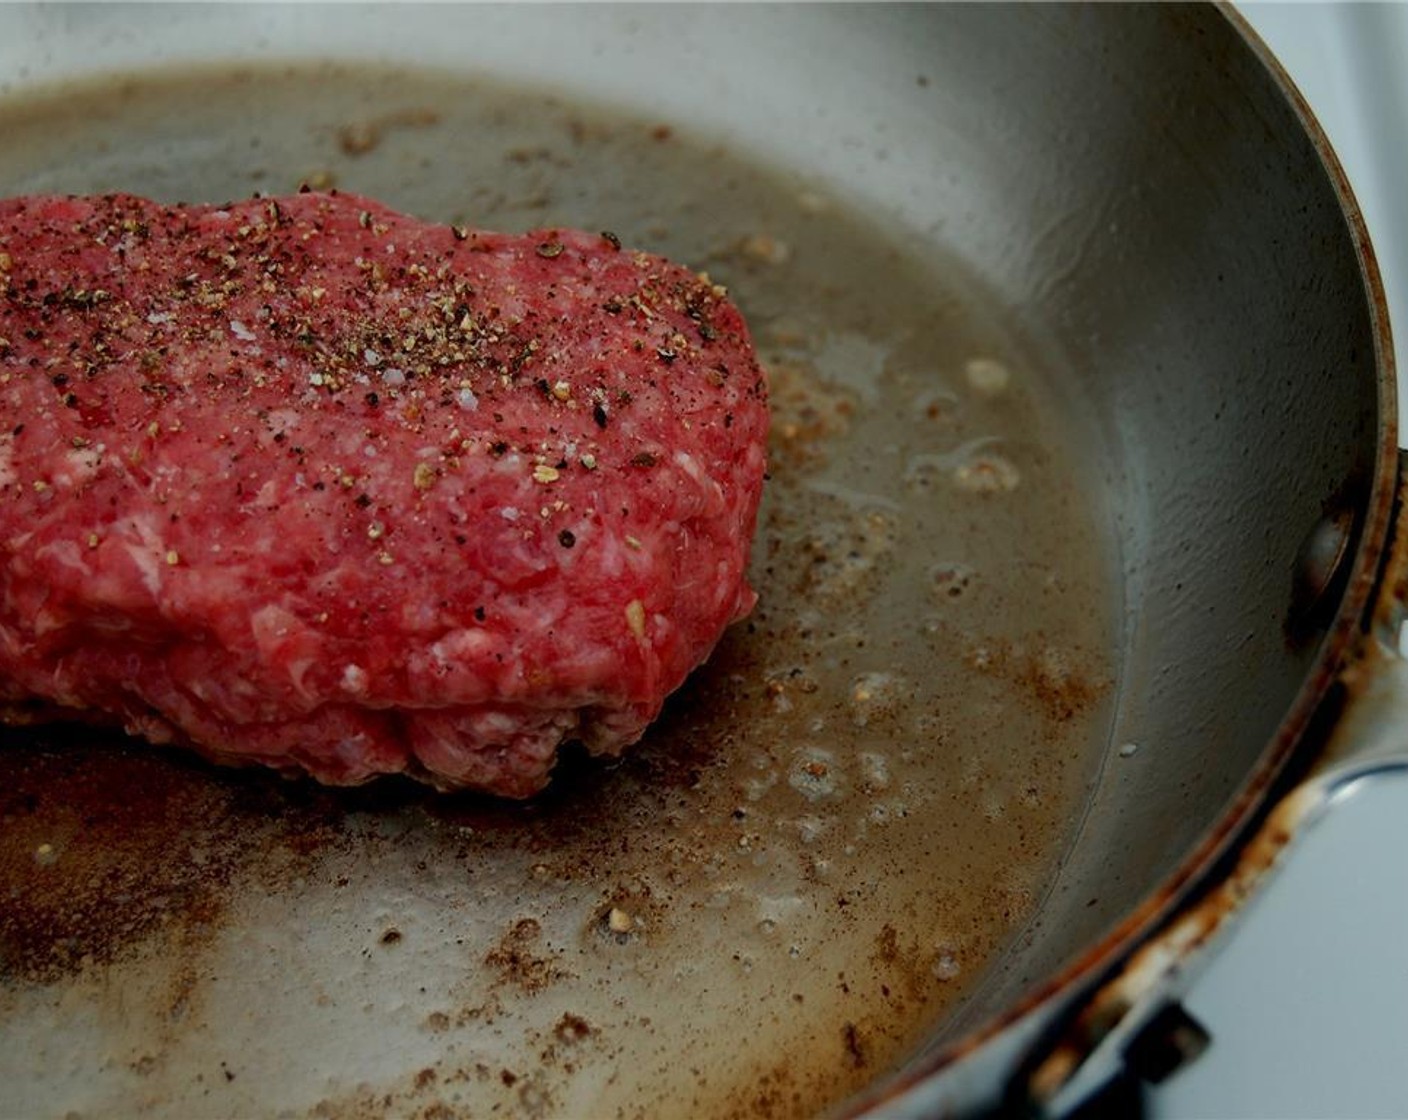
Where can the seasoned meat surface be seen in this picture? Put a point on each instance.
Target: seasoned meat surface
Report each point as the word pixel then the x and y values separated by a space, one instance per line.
pixel 309 483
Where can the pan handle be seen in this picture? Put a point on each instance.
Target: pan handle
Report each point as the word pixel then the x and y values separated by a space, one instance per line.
pixel 1131 1025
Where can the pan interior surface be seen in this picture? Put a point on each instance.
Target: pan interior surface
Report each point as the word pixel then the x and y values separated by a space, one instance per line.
pixel 839 825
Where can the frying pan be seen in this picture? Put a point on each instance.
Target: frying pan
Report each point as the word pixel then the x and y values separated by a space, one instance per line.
pixel 1142 190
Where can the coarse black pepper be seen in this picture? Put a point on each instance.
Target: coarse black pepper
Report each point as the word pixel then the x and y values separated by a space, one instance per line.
pixel 566 538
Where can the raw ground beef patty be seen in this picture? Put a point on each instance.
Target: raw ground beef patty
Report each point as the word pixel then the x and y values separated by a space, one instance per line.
pixel 309 483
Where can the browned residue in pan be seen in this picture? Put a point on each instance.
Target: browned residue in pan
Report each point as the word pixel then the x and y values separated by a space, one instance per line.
pixel 87 854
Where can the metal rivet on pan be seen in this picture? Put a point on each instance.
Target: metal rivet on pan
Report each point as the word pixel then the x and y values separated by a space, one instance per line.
pixel 1322 555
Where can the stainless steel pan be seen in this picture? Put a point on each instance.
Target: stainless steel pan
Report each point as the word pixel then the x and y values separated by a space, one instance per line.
pixel 1143 194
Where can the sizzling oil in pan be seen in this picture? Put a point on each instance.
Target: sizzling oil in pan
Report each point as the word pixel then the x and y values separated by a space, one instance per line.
pixel 839 824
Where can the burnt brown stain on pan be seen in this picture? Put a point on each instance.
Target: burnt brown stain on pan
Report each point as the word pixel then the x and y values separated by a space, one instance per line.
pixel 104 844
pixel 1302 734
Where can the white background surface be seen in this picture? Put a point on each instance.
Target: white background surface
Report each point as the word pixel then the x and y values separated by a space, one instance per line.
pixel 1308 1003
